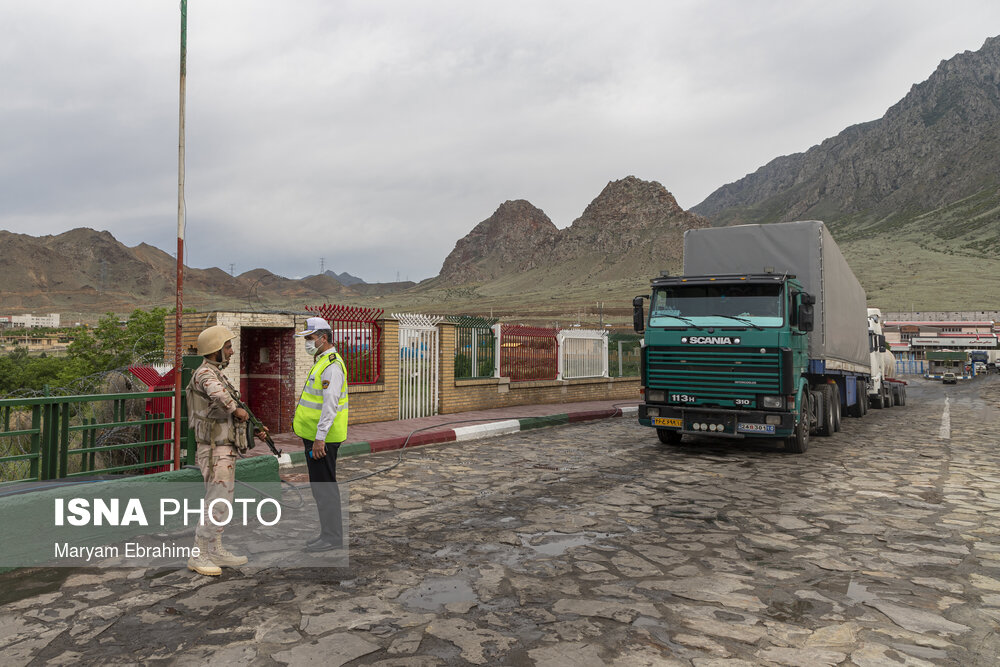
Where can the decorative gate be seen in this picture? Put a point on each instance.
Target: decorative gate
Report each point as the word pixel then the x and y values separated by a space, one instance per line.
pixel 418 365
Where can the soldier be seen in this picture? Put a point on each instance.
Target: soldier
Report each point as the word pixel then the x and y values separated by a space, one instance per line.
pixel 220 428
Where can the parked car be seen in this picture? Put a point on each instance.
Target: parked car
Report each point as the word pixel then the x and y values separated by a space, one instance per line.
pixel 949 378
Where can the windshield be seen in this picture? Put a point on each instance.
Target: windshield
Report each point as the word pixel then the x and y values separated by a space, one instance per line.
pixel 722 305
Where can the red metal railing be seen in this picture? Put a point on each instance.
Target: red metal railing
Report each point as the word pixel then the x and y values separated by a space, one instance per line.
pixel 528 353
pixel 357 334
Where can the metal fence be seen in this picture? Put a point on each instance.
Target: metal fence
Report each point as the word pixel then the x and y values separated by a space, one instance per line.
pixel 906 367
pixel 527 353
pixel 624 351
pixel 583 353
pixel 357 334
pixel 418 365
pixel 54 437
pixel 475 347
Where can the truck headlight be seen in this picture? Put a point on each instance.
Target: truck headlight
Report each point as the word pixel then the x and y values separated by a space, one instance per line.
pixel 773 402
pixel 656 396
pixel 652 412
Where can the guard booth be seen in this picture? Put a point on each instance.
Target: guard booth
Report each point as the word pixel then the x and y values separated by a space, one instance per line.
pixel 267 375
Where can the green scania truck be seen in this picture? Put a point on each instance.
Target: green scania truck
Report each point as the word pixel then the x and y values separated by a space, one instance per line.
pixel 764 336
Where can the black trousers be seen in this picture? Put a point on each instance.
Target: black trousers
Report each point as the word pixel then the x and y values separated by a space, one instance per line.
pixel 326 492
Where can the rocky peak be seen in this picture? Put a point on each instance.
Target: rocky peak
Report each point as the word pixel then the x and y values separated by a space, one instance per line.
pixel 508 240
pixel 624 214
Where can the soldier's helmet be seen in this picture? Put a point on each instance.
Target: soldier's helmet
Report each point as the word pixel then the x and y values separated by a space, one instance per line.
pixel 213 338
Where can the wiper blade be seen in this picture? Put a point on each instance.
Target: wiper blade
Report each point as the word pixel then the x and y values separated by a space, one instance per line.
pixel 685 320
pixel 739 319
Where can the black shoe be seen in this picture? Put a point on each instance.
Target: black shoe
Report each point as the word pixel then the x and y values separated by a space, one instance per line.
pixel 318 538
pixel 322 545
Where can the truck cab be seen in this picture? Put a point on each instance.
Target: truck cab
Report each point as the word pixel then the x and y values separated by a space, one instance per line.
pixel 726 355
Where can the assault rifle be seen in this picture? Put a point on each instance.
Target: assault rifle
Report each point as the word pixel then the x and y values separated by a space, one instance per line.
pixel 256 426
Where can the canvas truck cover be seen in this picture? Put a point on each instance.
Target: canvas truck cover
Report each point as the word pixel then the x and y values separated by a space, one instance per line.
pixel 807 250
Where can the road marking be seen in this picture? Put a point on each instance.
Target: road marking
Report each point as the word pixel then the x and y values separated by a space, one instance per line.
pixel 945 433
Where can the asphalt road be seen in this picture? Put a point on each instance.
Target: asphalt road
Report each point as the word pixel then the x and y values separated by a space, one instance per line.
pixel 593 544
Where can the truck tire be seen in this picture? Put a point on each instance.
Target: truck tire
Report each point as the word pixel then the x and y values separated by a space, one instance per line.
pixel 902 394
pixel 878 400
pixel 897 394
pixel 860 400
pixel 864 403
pixel 890 395
pixel 668 437
pixel 835 394
pixel 798 442
pixel 824 410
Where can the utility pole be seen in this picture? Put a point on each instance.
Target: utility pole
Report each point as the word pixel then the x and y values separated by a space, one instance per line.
pixel 178 314
pixel 321 267
pixel 232 269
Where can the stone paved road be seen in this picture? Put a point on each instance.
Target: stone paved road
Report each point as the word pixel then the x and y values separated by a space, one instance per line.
pixel 593 544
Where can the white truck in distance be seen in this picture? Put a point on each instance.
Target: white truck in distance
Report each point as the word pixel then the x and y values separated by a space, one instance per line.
pixel 884 391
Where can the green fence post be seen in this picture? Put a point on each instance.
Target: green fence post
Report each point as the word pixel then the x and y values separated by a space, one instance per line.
pixel 63 411
pixel 36 441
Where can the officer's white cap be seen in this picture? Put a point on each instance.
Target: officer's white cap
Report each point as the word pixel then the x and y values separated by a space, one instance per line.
pixel 314 324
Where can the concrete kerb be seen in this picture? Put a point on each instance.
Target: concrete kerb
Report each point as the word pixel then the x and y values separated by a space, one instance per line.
pixel 463 433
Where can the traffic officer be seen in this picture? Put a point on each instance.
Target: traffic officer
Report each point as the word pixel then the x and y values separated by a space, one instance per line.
pixel 217 422
pixel 321 421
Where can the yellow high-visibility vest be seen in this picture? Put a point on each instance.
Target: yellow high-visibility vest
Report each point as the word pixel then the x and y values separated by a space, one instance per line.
pixel 307 412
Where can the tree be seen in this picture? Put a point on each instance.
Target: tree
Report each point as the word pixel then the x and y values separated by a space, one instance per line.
pixel 112 345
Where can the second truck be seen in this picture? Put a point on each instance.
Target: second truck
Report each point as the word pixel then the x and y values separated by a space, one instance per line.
pixel 766 335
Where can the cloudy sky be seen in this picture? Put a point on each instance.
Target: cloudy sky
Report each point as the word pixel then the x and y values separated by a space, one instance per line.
pixel 371 135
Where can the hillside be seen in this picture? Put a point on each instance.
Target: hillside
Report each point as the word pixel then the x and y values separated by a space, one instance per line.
pixel 927 172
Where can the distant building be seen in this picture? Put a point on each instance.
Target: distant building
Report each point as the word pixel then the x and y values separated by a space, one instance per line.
pixel 5 322
pixel 912 339
pixel 35 321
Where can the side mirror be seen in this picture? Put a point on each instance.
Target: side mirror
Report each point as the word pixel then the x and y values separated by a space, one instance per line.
pixel 806 317
pixel 881 343
pixel 638 316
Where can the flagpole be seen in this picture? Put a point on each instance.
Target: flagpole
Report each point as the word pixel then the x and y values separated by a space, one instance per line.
pixel 178 312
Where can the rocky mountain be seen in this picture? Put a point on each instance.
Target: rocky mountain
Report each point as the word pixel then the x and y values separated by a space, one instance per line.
pixel 509 241
pixel 927 171
pixel 345 278
pixel 633 227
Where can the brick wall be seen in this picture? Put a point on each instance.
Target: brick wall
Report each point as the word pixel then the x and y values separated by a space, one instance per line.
pixel 487 393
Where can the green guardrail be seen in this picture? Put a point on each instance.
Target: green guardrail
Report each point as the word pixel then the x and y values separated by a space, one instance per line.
pixel 55 437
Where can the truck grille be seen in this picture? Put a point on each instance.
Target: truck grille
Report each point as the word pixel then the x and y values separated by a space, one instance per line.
pixel 714 375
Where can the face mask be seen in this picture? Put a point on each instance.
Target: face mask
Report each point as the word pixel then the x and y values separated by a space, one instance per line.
pixel 311 347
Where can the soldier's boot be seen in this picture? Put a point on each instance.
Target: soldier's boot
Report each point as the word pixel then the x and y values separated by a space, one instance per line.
pixel 222 556
pixel 203 563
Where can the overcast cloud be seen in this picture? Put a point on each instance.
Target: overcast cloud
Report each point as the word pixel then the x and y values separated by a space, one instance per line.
pixel 374 134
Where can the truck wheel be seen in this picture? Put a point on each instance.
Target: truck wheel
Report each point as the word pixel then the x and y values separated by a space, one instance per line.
pixel 860 400
pixel 668 437
pixel 897 395
pixel 878 401
pixel 864 403
pixel 825 409
pixel 902 395
pixel 835 393
pixel 890 396
pixel 798 442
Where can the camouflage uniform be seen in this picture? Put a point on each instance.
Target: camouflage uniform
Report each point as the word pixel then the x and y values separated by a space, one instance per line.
pixel 210 413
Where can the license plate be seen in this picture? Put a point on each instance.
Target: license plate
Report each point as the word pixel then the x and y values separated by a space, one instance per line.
pixel 664 421
pixel 755 428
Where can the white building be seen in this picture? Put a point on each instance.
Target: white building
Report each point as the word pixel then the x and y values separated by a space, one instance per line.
pixel 35 321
